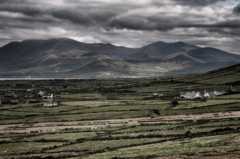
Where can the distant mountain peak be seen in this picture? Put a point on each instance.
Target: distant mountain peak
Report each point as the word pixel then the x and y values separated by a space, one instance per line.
pixel 61 54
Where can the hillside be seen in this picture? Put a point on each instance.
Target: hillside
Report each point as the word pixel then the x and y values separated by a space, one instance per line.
pixel 132 68
pixel 229 75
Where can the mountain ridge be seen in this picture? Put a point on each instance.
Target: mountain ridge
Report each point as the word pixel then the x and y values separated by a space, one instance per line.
pixel 64 55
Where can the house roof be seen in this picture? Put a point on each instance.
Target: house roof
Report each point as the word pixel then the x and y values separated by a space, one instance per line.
pixel 183 93
pixel 191 94
pixel 211 93
pixel 155 94
pixel 202 93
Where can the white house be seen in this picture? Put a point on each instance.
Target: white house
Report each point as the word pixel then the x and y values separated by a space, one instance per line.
pixel 201 94
pixel 193 95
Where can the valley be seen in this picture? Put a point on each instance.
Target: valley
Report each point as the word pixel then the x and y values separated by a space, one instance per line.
pixel 121 118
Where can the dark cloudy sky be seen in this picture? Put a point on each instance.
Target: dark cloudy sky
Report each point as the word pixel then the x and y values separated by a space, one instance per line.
pixel 130 23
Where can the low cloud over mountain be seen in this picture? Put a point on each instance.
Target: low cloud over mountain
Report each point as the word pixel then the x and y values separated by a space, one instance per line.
pixel 209 23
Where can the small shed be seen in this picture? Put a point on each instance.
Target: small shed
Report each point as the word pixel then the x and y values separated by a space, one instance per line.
pixel 50 104
pixel 155 95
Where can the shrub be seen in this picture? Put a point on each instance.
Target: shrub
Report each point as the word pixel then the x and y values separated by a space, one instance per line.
pixel 174 102
pixel 156 111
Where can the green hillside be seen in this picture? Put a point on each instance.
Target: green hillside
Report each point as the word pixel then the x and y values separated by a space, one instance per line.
pixel 115 68
pixel 228 75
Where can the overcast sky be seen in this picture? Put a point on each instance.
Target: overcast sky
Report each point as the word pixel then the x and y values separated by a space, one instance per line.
pixel 130 23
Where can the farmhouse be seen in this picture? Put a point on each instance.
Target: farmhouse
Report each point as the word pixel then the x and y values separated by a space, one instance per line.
pixel 200 94
pixel 193 95
pixel 29 90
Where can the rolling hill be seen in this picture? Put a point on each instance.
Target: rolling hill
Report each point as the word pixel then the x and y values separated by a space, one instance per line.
pixel 229 75
pixel 131 68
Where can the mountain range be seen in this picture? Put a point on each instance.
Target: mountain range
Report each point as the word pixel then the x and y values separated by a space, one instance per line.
pixel 68 57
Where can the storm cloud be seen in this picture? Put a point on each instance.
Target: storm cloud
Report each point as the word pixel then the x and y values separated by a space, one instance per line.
pixel 213 23
pixel 237 9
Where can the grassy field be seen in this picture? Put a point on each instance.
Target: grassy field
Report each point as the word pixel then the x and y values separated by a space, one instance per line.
pixel 83 95
pixel 119 118
pixel 230 96
pixel 172 147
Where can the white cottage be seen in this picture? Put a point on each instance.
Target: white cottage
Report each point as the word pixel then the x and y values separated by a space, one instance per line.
pixel 193 95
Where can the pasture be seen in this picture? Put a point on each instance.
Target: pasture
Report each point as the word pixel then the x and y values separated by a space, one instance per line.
pixel 117 118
